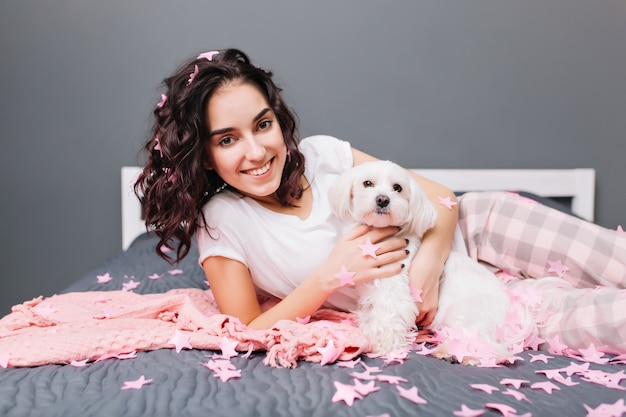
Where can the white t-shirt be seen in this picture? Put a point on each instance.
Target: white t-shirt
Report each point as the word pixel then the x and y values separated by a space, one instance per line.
pixel 281 250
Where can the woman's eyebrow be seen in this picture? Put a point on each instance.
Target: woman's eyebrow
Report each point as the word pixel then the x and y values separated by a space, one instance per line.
pixel 228 129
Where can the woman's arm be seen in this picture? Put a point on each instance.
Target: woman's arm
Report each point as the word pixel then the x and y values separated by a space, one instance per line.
pixel 427 265
pixel 235 294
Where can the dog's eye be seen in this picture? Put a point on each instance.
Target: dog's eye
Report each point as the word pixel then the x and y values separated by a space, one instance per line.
pixel 368 183
pixel 397 188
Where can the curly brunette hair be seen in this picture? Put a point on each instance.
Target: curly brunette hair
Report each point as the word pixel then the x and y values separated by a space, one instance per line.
pixel 174 183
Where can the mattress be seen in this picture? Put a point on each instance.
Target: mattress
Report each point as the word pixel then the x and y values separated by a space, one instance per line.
pixel 179 383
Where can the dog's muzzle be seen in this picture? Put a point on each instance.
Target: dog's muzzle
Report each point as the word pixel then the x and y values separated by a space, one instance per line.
pixel 382 201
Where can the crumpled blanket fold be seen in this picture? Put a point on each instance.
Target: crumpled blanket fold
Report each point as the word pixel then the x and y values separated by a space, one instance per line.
pixel 91 325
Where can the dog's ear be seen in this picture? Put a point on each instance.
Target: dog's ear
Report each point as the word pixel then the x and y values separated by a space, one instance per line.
pixel 424 212
pixel 340 196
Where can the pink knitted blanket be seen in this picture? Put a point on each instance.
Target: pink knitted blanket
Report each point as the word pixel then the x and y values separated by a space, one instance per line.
pixel 93 325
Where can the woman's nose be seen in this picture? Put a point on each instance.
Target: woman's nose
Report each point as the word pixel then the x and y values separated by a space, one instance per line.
pixel 255 149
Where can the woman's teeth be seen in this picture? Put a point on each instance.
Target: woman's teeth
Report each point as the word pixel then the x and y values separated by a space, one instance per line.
pixel 259 171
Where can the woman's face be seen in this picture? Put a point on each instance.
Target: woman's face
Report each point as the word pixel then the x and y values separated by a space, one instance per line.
pixel 246 146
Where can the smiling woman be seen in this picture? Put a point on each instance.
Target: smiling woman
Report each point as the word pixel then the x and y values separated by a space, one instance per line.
pixel 250 153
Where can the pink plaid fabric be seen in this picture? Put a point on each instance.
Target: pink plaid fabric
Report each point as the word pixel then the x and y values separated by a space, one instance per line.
pixel 517 235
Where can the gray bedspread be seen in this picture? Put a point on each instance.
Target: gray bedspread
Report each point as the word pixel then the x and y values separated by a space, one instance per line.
pixel 181 386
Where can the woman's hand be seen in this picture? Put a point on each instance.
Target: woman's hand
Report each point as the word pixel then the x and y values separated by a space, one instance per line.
pixel 424 274
pixel 348 254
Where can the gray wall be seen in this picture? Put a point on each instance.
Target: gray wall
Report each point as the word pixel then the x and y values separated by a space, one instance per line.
pixel 438 83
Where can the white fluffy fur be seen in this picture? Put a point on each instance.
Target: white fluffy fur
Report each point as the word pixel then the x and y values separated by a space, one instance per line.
pixel 472 300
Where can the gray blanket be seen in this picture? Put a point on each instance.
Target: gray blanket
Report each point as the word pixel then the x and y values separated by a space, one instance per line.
pixel 181 386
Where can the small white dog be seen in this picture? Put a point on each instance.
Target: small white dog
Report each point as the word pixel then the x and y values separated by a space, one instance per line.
pixel 473 303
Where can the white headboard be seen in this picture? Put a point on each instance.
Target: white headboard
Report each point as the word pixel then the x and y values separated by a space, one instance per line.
pixel 577 184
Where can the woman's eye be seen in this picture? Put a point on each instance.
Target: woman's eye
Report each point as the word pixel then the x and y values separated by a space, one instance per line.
pixel 225 141
pixel 397 188
pixel 367 183
pixel 265 124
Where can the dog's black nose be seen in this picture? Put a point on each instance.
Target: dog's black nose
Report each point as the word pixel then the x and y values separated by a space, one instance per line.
pixel 382 201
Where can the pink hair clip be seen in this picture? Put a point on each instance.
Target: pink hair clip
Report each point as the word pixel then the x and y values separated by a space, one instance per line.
pixel 193 75
pixel 208 55
pixel 162 102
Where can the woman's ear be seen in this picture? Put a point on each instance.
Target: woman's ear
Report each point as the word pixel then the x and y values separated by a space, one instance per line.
pixel 340 196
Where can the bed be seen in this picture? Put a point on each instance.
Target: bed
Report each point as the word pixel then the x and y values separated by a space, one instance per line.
pixel 179 382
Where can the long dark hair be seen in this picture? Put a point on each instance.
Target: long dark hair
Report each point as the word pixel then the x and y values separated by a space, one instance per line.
pixel 174 184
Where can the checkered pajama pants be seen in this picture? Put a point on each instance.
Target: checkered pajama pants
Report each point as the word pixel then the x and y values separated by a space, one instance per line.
pixel 526 239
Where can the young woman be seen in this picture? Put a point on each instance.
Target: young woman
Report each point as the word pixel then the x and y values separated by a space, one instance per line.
pixel 225 163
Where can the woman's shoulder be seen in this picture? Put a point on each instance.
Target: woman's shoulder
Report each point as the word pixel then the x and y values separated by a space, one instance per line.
pixel 323 151
pixel 316 141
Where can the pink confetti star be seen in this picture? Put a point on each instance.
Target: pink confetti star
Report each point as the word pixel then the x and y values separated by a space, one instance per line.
pixel 517 383
pixel 591 354
pixel 540 357
pixel 391 379
pixel 79 364
pixel 161 103
pixel 504 409
pixel 154 276
pixel 345 393
pixel 130 285
pixel 558 268
pixel 416 294
pixel 193 75
pixel 304 320
pixel 447 202
pixel 181 340
pixel 555 346
pixel 515 394
pixel 226 374
pixel 103 279
pixel 4 359
pixel 349 364
pixel 345 277
pixel 411 394
pixel 44 311
pixel 175 272
pixel 369 249
pixel 616 409
pixel 365 389
pixel 208 55
pixel 484 387
pixel 547 386
pixel 465 411
pixel 138 384
pixel 228 347
pixel 330 353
